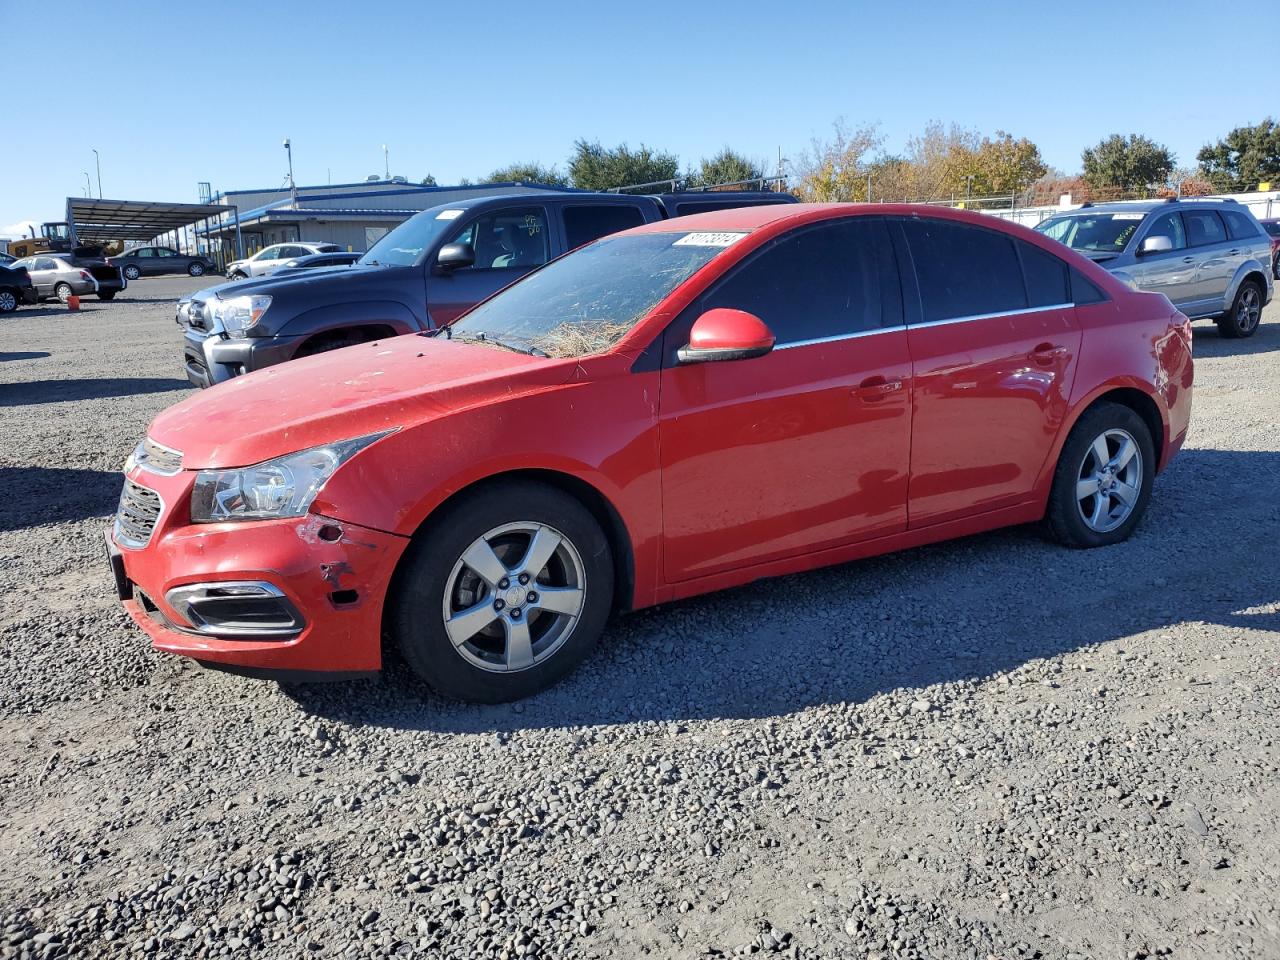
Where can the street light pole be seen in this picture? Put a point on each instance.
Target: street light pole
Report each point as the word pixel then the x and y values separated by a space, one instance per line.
pixel 293 190
pixel 386 163
pixel 97 162
pixel 88 186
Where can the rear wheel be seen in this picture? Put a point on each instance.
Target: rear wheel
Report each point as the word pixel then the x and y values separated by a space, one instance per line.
pixel 62 291
pixel 131 272
pixel 108 294
pixel 504 594
pixel 196 269
pixel 1102 484
pixel 8 301
pixel 1245 313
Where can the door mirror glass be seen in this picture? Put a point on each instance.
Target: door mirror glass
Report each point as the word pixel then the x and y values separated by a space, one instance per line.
pixel 726 334
pixel 1155 245
pixel 455 255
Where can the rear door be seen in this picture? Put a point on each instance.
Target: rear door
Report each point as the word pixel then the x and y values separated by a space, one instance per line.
pixel 1207 240
pixel 994 341
pixel 165 261
pixel 806 447
pixel 508 242
pixel 44 274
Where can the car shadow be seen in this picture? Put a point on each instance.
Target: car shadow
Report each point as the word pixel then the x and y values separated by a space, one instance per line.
pixel 1208 342
pixel 906 620
pixel 30 392
pixel 23 355
pixel 58 309
pixel 36 496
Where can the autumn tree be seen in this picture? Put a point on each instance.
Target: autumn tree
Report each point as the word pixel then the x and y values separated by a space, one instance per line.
pixel 1129 163
pixel 726 166
pixel 528 173
pixel 1002 165
pixel 595 167
pixel 1244 158
pixel 836 169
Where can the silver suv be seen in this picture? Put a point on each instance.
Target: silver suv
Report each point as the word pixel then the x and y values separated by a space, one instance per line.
pixel 1210 257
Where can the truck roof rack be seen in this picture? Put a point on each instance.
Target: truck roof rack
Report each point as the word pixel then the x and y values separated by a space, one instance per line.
pixel 1213 199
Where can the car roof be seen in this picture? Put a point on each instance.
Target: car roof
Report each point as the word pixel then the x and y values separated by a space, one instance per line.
pixel 1147 206
pixel 780 216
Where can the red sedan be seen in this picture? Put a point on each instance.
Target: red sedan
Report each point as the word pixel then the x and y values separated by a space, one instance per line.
pixel 679 408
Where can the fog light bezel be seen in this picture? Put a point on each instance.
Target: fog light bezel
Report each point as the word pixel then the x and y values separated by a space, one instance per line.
pixel 192 601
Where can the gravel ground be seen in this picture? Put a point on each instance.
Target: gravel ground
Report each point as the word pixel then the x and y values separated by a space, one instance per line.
pixel 988 748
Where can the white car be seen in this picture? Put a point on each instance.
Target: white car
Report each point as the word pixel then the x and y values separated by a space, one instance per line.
pixel 272 258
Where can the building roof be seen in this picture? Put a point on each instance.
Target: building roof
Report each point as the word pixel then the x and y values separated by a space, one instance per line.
pixel 103 220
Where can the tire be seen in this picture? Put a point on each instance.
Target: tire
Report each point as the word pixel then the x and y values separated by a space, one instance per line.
pixel 237 275
pixel 1131 467
pixel 8 301
pixel 196 270
pixel 131 272
pixel 1245 314
pixel 62 291
pixel 497 525
pixel 108 294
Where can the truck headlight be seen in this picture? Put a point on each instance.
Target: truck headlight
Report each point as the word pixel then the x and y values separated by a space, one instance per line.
pixel 238 314
pixel 284 487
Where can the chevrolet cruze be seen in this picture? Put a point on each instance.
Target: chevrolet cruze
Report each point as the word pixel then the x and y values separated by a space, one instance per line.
pixel 683 407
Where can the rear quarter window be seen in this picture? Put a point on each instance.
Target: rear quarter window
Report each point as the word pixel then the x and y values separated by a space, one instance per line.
pixel 583 223
pixel 1045 275
pixel 1240 226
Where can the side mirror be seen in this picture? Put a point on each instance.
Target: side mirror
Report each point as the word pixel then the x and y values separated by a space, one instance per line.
pixel 455 255
pixel 1155 245
pixel 725 334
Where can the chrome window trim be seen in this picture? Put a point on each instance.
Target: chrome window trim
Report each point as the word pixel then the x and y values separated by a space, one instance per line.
pixel 127 542
pixel 842 336
pixel 991 316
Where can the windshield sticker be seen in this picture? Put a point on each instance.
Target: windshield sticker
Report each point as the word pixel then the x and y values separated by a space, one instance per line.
pixel 708 239
pixel 1127 216
pixel 449 214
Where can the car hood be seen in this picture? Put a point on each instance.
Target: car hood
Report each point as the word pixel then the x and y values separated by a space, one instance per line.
pixel 295 281
pixel 343 394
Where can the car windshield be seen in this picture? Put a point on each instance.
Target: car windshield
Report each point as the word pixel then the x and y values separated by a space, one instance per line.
pixel 404 245
pixel 585 302
pixel 1093 232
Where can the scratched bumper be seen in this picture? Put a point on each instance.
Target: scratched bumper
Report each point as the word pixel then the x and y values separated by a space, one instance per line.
pixel 337 585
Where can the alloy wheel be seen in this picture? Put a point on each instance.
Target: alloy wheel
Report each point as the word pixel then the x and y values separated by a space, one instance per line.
pixel 514 597
pixel 1250 311
pixel 8 302
pixel 1109 482
pixel 196 269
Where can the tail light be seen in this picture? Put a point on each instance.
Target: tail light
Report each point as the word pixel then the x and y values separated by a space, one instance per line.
pixel 85 275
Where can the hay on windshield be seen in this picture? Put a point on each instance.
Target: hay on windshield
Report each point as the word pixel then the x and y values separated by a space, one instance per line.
pixel 580 338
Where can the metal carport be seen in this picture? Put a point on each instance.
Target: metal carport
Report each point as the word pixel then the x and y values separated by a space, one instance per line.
pixel 99 221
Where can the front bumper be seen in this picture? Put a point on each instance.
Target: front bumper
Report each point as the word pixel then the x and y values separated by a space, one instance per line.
pixel 211 358
pixel 338 586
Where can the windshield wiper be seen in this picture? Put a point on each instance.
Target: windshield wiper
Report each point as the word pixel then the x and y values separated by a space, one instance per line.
pixel 484 338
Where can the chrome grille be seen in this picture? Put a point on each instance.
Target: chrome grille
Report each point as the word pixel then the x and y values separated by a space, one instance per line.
pixel 158 458
pixel 137 515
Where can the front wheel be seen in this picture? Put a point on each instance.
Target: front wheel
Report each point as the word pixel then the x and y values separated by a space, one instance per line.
pixel 131 272
pixel 62 291
pixel 1102 484
pixel 196 269
pixel 1245 313
pixel 504 594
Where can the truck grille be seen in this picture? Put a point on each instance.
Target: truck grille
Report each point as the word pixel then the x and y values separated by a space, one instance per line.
pixel 137 516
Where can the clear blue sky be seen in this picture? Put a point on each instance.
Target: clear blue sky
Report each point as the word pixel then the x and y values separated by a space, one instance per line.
pixel 175 93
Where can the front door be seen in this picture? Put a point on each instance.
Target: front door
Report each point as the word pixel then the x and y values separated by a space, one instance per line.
pixel 994 353
pixel 1172 272
pixel 508 243
pixel 808 446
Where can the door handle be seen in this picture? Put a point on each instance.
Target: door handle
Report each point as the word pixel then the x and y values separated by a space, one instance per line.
pixel 876 388
pixel 1188 259
pixel 1047 353
pixel 1234 253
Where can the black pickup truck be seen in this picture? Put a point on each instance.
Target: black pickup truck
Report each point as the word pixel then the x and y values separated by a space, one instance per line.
pixel 423 274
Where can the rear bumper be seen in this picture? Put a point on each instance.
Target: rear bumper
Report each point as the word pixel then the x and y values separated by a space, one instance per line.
pixel 338 586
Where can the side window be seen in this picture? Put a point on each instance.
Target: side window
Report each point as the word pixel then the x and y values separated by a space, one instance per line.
pixel 1084 291
pixel 964 271
pixel 1203 227
pixel 1240 226
pixel 44 263
pixel 506 239
pixel 831 280
pixel 1169 225
pixel 146 252
pixel 582 224
pixel 164 252
pixel 1045 276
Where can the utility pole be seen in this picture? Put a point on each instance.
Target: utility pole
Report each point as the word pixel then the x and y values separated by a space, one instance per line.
pixel 88 187
pixel 386 163
pixel 293 189
pixel 97 162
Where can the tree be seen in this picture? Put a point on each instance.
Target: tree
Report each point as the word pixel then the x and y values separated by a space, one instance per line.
pixel 594 167
pixel 1004 165
pixel 1246 157
pixel 429 181
pixel 529 173
pixel 1131 163
pixel 941 160
pixel 836 169
pixel 725 167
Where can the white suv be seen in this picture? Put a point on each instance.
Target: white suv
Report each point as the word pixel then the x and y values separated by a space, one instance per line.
pixel 272 258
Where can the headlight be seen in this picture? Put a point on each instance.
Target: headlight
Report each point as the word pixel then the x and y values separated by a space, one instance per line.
pixel 238 314
pixel 277 488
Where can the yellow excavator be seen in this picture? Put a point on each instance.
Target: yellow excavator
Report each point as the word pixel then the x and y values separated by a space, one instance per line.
pixel 56 238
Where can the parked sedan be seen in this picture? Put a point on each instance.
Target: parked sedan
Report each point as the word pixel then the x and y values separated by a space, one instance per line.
pixel 682 407
pixel 272 258
pixel 61 275
pixel 318 260
pixel 154 261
